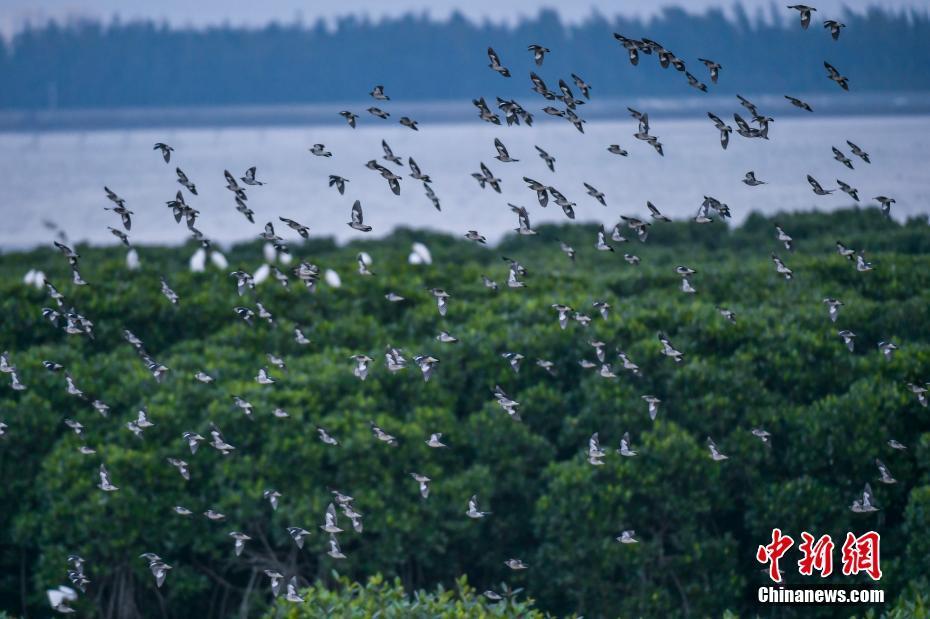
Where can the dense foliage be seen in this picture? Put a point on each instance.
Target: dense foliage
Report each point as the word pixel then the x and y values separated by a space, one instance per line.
pixel 781 366
pixel 378 598
pixel 88 65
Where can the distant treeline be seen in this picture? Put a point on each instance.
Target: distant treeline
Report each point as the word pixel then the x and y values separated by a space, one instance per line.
pixel 85 64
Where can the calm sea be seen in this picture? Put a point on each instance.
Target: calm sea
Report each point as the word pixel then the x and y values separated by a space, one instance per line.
pixel 58 176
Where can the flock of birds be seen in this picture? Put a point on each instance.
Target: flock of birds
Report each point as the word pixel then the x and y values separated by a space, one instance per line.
pixel 62 314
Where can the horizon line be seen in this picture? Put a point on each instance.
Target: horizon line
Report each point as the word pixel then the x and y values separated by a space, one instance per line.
pixel 738 9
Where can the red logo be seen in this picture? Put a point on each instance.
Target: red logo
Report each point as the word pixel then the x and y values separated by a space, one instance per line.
pixel 860 554
pixel 817 555
pixel 773 552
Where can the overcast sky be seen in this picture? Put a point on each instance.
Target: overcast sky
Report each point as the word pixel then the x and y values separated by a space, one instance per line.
pixel 15 13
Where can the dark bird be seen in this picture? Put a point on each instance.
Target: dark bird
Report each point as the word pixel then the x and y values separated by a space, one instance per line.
pixel 165 150
pixel 432 196
pixel 835 76
pixel 496 63
pixel 713 67
pixel 632 46
pixel 302 230
pixel 724 129
pixel 358 219
pixel 339 182
pixel 839 156
pixel 805 12
pixel 818 189
pixel 120 209
pixel 615 149
pixel 389 154
pixel 799 104
pixel 834 27
pixel 249 178
pixel 523 219
pixel 539 53
pixel 695 82
pixel 350 117
pixel 654 212
pixel 539 86
pixel 749 105
pixel 409 123
pixel 852 191
pixel 751 179
pixel 886 203
pixel 485 177
pixel 415 172
pixel 594 193
pixel 583 86
pixel 542 191
pixel 183 180
pixel 502 155
pixel 549 159
pixel 858 152
pixel 484 112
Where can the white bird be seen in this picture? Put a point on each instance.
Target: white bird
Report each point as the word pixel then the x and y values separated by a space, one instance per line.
pixel 866 503
pixel 886 477
pixel 329 520
pixel 361 366
pixel 595 452
pixel 382 436
pixel 292 595
pixel 627 537
pixel 714 452
pixel 833 307
pixel 919 391
pixel 334 551
pixel 241 539
pixel 263 378
pixel 298 534
pixel 435 440
pixel 105 484
pixel 423 481
pixel 625 446
pixel 276 578
pixel 442 299
pixel 426 364
pixel 887 349
pixel 848 337
pixel 473 511
pixel 653 405
pixel 272 497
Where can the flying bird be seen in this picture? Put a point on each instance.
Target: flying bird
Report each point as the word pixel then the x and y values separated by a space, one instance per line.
pixel 713 67
pixel 835 76
pixel 834 27
pixel 538 54
pixel 358 222
pixel 799 104
pixel 165 150
pixel 866 503
pixel 495 63
pixel 350 117
pixel 805 12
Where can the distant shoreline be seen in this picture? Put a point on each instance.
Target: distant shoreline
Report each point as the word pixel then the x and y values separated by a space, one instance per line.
pixel 443 111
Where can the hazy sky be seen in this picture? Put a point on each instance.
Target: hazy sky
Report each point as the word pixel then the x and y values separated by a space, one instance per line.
pixel 15 13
